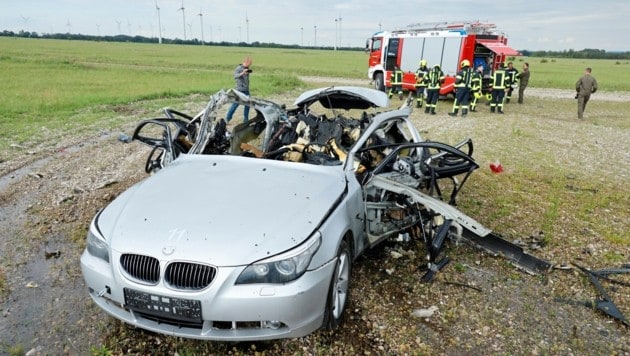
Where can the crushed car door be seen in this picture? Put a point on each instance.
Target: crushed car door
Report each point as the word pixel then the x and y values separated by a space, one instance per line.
pixel 168 137
pixel 386 133
pixel 402 193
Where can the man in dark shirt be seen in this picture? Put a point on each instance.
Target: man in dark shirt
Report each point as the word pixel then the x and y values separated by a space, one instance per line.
pixel 585 86
pixel 523 78
pixel 241 76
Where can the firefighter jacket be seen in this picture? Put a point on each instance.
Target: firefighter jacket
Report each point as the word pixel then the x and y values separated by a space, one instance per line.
pixel 476 81
pixel 512 75
pixel 500 79
pixel 435 78
pixel 463 78
pixel 421 74
pixel 397 77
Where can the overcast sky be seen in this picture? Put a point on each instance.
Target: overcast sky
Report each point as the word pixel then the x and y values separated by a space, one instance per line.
pixel 532 25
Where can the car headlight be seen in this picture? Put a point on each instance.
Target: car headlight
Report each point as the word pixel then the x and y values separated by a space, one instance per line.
pixel 96 244
pixel 284 267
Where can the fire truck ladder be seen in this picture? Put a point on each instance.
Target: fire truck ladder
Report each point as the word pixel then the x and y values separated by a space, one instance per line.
pixel 475 27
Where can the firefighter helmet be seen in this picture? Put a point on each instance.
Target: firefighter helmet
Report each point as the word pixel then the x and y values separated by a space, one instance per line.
pixel 423 63
pixel 436 65
pixel 465 63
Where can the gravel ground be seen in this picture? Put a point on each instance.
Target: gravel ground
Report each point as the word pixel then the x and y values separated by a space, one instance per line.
pixel 480 304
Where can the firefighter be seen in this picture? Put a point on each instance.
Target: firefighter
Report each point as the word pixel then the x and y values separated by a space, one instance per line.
pixel 499 84
pixel 396 82
pixel 512 77
pixel 434 80
pixel 475 87
pixel 463 81
pixel 421 73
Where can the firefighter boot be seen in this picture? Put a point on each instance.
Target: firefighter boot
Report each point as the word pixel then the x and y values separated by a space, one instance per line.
pixel 454 113
pixel 418 104
pixel 433 110
pixel 500 111
pixel 427 109
pixel 492 108
pixel 464 112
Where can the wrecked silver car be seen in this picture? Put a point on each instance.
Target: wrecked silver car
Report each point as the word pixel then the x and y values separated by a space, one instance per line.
pixel 250 233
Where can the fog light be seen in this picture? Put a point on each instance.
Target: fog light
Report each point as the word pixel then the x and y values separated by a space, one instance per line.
pixel 272 324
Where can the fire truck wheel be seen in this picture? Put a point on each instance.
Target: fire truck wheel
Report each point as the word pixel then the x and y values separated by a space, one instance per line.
pixel 379 84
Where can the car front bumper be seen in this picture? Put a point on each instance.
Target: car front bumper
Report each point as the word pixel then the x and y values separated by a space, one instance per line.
pixel 229 312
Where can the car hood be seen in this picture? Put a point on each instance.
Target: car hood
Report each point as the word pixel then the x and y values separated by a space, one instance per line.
pixel 222 210
pixel 344 97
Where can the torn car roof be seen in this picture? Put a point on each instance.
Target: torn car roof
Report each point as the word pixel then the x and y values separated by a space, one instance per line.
pixel 344 97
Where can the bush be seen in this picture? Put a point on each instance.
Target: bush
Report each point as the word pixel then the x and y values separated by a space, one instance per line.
pixel 544 60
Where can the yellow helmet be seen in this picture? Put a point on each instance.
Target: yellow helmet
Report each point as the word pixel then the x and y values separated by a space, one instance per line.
pixel 465 63
pixel 423 63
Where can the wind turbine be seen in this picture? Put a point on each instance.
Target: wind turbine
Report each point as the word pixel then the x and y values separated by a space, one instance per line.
pixel 184 18
pixel 339 30
pixel 119 22
pixel 157 8
pixel 336 33
pixel 69 25
pixel 247 26
pixel 25 20
pixel 201 20
pixel 128 27
pixel 98 30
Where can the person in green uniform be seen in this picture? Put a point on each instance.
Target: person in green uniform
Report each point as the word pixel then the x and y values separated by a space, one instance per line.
pixel 585 86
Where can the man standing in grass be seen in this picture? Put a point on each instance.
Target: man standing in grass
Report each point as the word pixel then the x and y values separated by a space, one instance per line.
pixel 585 86
pixel 523 78
pixel 241 76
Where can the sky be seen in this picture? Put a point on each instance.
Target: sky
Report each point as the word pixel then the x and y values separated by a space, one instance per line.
pixel 530 25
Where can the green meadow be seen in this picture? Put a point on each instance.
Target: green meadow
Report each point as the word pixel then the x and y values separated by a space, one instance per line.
pixel 47 82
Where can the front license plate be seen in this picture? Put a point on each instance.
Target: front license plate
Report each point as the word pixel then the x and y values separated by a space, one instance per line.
pixel 161 306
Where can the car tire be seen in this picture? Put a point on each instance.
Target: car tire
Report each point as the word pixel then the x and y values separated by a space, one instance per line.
pixel 339 287
pixel 379 83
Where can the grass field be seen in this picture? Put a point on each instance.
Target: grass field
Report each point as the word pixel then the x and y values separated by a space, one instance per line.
pixel 47 81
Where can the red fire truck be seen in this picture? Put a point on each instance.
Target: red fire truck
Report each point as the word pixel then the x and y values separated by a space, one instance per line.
pixel 446 44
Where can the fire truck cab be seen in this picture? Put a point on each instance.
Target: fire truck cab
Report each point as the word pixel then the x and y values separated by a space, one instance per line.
pixel 446 44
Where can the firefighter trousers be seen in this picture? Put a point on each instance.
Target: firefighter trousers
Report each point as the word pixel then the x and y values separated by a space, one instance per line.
pixel 432 98
pixel 497 100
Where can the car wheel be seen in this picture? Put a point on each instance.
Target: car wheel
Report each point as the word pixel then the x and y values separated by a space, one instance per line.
pixel 339 287
pixel 379 84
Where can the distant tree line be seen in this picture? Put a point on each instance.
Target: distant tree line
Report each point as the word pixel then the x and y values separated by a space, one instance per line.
pixel 585 53
pixel 142 39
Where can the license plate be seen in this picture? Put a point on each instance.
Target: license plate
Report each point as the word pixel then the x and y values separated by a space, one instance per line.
pixel 162 306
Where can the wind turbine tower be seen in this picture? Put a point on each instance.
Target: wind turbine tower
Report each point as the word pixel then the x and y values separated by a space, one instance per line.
pixel 247 26
pixel 69 25
pixel 183 18
pixel 157 8
pixel 201 20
